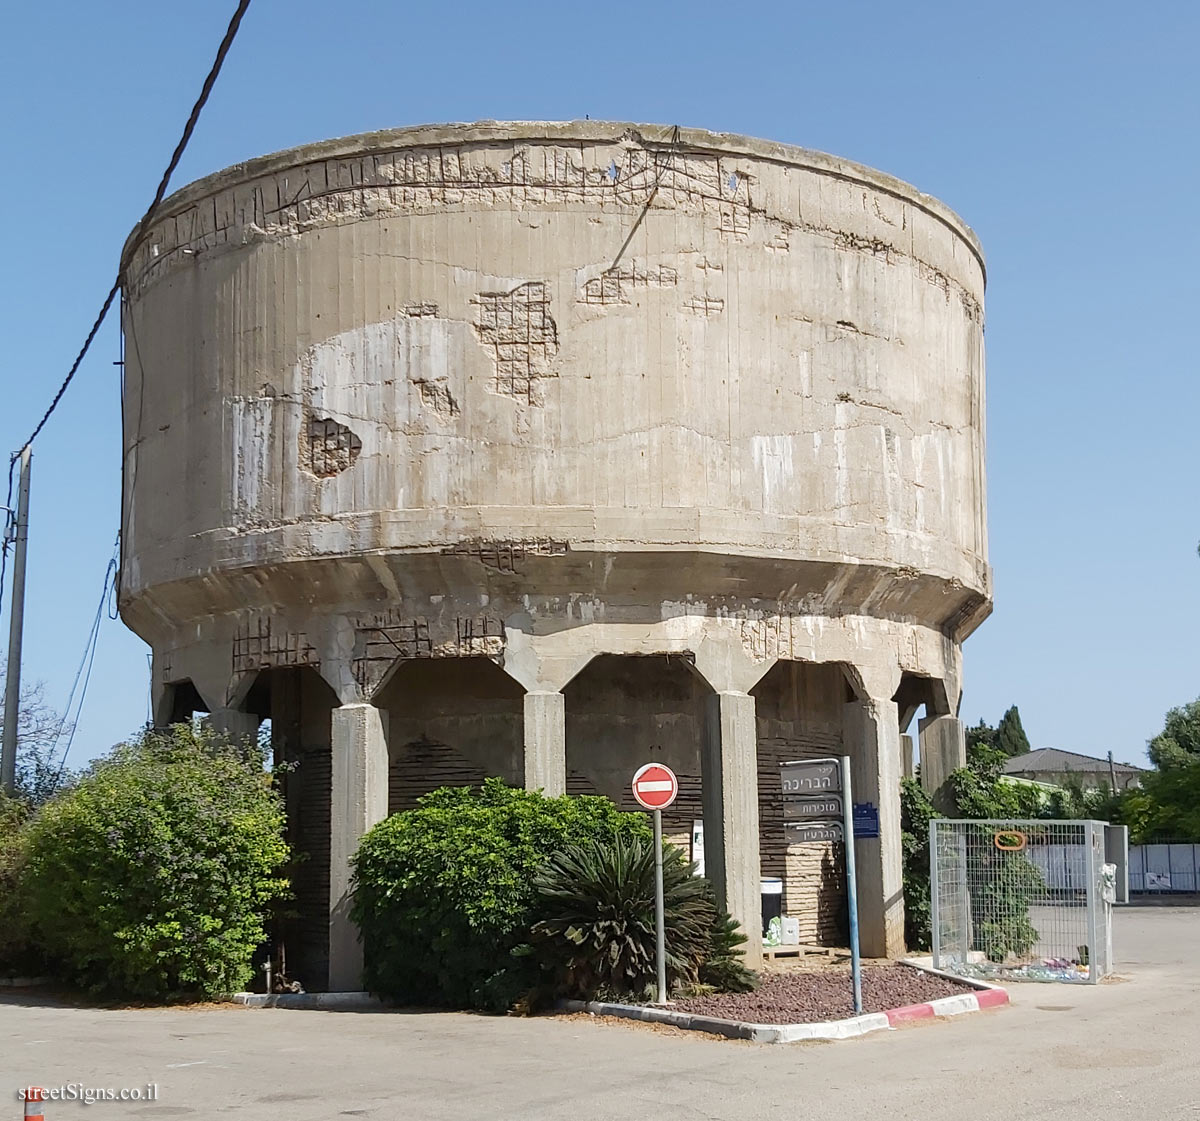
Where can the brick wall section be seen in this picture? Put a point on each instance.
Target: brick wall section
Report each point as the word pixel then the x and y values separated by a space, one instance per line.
pixel 423 766
pixel 307 928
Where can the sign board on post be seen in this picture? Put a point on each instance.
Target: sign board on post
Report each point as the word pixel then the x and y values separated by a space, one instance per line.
pixel 866 819
pixel 808 808
pixel 807 833
pixel 817 807
pixel 655 787
pixel 810 776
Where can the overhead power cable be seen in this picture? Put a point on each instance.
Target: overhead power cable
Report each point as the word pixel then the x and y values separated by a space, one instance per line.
pixel 227 42
pixel 69 723
pixel 7 521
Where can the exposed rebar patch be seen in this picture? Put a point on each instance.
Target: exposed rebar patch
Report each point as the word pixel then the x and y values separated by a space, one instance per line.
pixel 521 334
pixel 327 447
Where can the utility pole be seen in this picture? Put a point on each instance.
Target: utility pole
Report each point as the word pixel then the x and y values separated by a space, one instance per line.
pixel 1112 773
pixel 12 682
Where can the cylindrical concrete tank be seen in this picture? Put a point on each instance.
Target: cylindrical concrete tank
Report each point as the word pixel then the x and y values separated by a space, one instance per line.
pixel 534 393
pixel 357 367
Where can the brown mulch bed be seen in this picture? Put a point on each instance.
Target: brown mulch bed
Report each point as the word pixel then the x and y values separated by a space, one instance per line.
pixel 808 998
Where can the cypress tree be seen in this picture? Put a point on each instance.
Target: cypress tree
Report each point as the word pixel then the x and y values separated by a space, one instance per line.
pixel 1010 736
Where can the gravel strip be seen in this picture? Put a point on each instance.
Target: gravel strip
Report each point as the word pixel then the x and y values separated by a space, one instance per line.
pixel 810 998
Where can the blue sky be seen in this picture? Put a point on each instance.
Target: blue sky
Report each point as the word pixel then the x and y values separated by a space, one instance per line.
pixel 1064 133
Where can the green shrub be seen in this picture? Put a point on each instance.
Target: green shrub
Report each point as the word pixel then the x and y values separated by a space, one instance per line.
pixel 17 955
pixel 916 812
pixel 1001 885
pixel 724 968
pixel 443 891
pixel 595 934
pixel 999 907
pixel 150 877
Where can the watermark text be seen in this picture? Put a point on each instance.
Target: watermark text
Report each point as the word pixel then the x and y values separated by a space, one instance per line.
pixel 89 1095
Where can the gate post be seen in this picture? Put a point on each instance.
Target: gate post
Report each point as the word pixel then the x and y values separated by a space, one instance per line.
pixel 935 931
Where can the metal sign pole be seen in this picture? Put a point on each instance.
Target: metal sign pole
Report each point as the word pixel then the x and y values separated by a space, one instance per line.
pixel 851 882
pixel 660 934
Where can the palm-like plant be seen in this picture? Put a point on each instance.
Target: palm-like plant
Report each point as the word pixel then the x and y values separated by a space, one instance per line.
pixel 595 937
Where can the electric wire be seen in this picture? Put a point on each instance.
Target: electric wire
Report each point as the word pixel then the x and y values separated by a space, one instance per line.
pixel 10 520
pixel 68 724
pixel 227 42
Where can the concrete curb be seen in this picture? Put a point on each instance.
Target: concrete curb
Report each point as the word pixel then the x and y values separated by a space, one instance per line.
pixel 986 996
pixel 312 1002
pixel 23 982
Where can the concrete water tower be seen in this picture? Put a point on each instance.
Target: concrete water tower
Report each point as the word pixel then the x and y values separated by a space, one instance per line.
pixel 541 450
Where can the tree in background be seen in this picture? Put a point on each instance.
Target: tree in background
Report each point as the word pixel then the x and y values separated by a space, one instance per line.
pixel 982 735
pixel 1178 744
pixel 1010 736
pixel 1167 804
pixel 40 729
pixel 1007 737
pixel 1167 807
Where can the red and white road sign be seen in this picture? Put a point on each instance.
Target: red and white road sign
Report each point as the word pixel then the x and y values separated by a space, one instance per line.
pixel 655 786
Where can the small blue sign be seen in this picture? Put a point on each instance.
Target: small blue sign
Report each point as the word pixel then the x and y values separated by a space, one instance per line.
pixel 866 819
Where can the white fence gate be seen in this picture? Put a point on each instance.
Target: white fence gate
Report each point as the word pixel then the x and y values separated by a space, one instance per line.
pixel 1021 900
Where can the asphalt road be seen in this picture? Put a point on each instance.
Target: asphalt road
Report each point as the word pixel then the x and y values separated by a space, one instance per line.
pixel 1126 1049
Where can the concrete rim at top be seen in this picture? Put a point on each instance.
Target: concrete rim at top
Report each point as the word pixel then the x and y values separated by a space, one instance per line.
pixel 557 131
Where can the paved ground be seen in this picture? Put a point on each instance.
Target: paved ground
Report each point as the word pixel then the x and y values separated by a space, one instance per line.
pixel 1120 1050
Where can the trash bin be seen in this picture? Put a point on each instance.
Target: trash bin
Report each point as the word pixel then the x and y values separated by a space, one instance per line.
pixel 772 902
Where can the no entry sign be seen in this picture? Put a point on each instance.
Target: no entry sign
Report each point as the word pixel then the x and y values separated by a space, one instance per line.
pixel 655 786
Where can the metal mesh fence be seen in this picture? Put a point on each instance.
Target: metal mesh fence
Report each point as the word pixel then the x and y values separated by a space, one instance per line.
pixel 1021 900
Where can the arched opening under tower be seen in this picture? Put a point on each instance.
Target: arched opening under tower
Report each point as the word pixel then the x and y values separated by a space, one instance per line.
pixel 626 710
pixel 450 722
pixel 178 703
pixel 940 745
pixel 299 703
pixel 799 707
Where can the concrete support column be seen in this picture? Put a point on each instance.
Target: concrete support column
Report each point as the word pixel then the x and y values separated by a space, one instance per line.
pixel 943 750
pixel 359 799
pixel 234 724
pixel 872 738
pixel 546 743
pixel 906 756
pixel 730 781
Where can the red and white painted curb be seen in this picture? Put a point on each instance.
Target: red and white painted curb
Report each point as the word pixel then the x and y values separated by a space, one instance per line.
pixel 990 997
pixel 985 996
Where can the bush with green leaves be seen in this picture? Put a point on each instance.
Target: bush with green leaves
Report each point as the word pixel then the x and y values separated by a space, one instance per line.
pixel 916 812
pixel 595 935
pixel 444 892
pixel 1002 884
pixel 152 876
pixel 17 954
